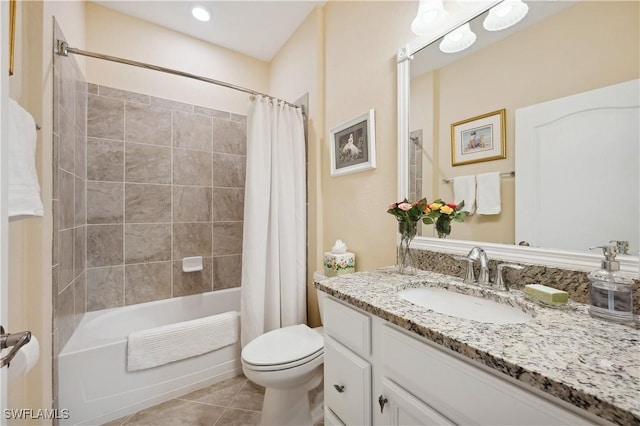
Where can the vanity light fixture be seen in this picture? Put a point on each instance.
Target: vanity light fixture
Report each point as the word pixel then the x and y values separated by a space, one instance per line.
pixel 430 12
pixel 458 40
pixel 200 13
pixel 505 15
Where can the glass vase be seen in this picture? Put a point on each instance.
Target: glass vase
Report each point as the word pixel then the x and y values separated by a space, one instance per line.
pixel 443 226
pixel 407 230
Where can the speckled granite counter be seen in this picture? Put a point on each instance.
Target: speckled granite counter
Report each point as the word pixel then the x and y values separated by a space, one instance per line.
pixel 592 364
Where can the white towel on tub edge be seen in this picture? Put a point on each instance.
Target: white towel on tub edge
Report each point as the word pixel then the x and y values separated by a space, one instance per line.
pixel 161 345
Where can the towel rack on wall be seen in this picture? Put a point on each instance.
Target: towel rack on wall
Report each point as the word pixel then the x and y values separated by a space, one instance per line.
pixel 505 174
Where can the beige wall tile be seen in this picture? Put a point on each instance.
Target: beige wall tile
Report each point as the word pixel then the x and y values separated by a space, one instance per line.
pixel 223 115
pixel 105 288
pixel 105 202
pixel 79 250
pixel 66 271
pixel 147 281
pixel 105 160
pixel 147 124
pixel 147 243
pixel 147 203
pixel 105 118
pixel 67 199
pixel 228 170
pixel 192 131
pixel 147 163
pixel 80 297
pixel 191 168
pixel 104 245
pixel 167 103
pixel 80 150
pixel 228 204
pixel 123 95
pixel 229 137
pixel 65 321
pixel 186 283
pixel 80 203
pixel 227 272
pixel 227 238
pixel 191 204
pixel 191 239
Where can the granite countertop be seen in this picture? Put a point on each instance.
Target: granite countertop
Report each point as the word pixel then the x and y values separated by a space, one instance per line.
pixel 592 364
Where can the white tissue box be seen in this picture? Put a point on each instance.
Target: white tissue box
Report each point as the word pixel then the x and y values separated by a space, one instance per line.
pixel 338 264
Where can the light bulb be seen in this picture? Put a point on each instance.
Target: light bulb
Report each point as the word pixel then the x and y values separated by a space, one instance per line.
pixel 200 13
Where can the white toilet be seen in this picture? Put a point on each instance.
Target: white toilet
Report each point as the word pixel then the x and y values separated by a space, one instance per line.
pixel 288 362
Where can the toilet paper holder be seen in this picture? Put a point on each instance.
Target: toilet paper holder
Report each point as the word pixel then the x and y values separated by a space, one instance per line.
pixel 14 341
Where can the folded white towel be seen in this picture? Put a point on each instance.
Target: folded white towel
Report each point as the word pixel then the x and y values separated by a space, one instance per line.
pixel 161 345
pixel 464 189
pixel 488 193
pixel 24 190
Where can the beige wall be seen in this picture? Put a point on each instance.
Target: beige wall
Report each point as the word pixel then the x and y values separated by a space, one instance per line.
pixel 30 287
pixel 361 40
pixel 295 70
pixel 512 75
pixel 112 33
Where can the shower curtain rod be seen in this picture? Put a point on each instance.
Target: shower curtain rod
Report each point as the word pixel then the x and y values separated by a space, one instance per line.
pixel 64 50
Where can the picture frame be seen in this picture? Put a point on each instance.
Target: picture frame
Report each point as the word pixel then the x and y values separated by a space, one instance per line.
pixel 12 34
pixel 352 145
pixel 479 139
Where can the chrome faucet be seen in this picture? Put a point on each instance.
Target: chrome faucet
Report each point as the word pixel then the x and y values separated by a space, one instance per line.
pixel 478 253
pixel 475 254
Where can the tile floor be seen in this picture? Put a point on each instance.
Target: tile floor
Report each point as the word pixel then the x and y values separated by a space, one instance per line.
pixel 235 401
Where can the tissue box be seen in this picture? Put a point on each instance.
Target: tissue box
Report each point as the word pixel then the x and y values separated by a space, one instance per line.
pixel 338 264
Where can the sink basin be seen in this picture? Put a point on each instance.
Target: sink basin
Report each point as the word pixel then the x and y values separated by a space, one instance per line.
pixel 464 306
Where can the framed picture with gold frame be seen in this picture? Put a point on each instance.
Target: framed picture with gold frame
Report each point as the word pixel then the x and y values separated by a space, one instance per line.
pixel 478 139
pixel 12 33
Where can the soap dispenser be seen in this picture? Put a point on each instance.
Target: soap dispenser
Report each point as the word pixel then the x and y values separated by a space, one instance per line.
pixel 611 293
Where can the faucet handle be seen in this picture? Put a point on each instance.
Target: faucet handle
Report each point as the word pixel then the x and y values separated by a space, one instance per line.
pixel 469 276
pixel 500 283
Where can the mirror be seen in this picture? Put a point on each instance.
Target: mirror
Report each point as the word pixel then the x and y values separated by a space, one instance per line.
pixel 554 52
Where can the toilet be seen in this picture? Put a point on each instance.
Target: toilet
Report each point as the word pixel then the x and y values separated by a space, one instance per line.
pixel 288 362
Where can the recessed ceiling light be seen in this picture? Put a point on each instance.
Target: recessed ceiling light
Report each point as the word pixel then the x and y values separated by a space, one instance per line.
pixel 200 13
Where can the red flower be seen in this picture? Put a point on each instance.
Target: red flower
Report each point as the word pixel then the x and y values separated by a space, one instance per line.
pixel 453 206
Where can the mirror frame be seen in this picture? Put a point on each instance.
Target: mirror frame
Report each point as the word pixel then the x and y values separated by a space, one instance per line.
pixel 556 258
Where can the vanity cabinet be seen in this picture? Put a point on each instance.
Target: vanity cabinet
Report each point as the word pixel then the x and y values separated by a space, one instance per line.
pixel 347 368
pixel 377 373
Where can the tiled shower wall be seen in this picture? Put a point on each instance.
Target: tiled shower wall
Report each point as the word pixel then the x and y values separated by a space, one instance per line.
pixel 69 180
pixel 165 180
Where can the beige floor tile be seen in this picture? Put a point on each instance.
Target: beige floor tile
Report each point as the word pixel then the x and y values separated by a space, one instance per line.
pixel 221 393
pixel 250 397
pixel 177 413
pixel 236 417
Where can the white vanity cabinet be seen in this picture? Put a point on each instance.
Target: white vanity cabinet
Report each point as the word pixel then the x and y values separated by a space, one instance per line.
pixel 347 368
pixel 376 373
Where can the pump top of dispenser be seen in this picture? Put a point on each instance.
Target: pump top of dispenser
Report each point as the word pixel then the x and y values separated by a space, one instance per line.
pixel 609 263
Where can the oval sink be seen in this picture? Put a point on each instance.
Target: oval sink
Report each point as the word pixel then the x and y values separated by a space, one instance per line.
pixel 464 306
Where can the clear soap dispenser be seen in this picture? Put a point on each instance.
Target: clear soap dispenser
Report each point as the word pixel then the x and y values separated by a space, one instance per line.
pixel 611 292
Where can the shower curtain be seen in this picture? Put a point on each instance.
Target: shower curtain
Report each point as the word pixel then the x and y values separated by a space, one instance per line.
pixel 274 234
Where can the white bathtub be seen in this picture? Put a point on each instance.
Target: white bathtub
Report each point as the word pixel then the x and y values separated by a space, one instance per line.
pixel 94 384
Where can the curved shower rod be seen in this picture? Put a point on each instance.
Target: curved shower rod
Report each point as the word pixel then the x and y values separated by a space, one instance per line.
pixel 63 49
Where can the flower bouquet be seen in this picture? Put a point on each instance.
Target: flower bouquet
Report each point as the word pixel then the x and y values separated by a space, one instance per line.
pixel 442 214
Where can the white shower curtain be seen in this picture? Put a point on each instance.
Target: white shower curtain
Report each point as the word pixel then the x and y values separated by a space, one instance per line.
pixel 274 242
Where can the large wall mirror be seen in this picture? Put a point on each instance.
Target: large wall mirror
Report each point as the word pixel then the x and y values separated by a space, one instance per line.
pixel 553 54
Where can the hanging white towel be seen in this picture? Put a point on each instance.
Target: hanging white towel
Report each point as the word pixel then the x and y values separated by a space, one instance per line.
pixel 161 345
pixel 488 193
pixel 24 190
pixel 464 189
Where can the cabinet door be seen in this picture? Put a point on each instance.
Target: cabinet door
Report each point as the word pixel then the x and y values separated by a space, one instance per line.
pixel 347 384
pixel 405 409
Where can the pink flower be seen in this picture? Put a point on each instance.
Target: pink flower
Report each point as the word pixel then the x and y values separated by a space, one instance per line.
pixel 404 207
pixel 392 206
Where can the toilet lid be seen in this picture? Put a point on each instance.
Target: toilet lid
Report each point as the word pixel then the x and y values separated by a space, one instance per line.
pixel 283 346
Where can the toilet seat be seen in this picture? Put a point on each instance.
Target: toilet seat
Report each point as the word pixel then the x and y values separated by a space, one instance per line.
pixel 283 348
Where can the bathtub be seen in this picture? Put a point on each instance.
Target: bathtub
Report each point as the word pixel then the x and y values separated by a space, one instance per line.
pixel 94 384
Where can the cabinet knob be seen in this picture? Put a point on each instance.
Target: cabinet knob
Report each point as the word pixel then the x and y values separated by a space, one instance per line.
pixel 339 388
pixel 382 401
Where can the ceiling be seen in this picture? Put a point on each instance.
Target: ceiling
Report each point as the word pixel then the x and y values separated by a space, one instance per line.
pixel 256 28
